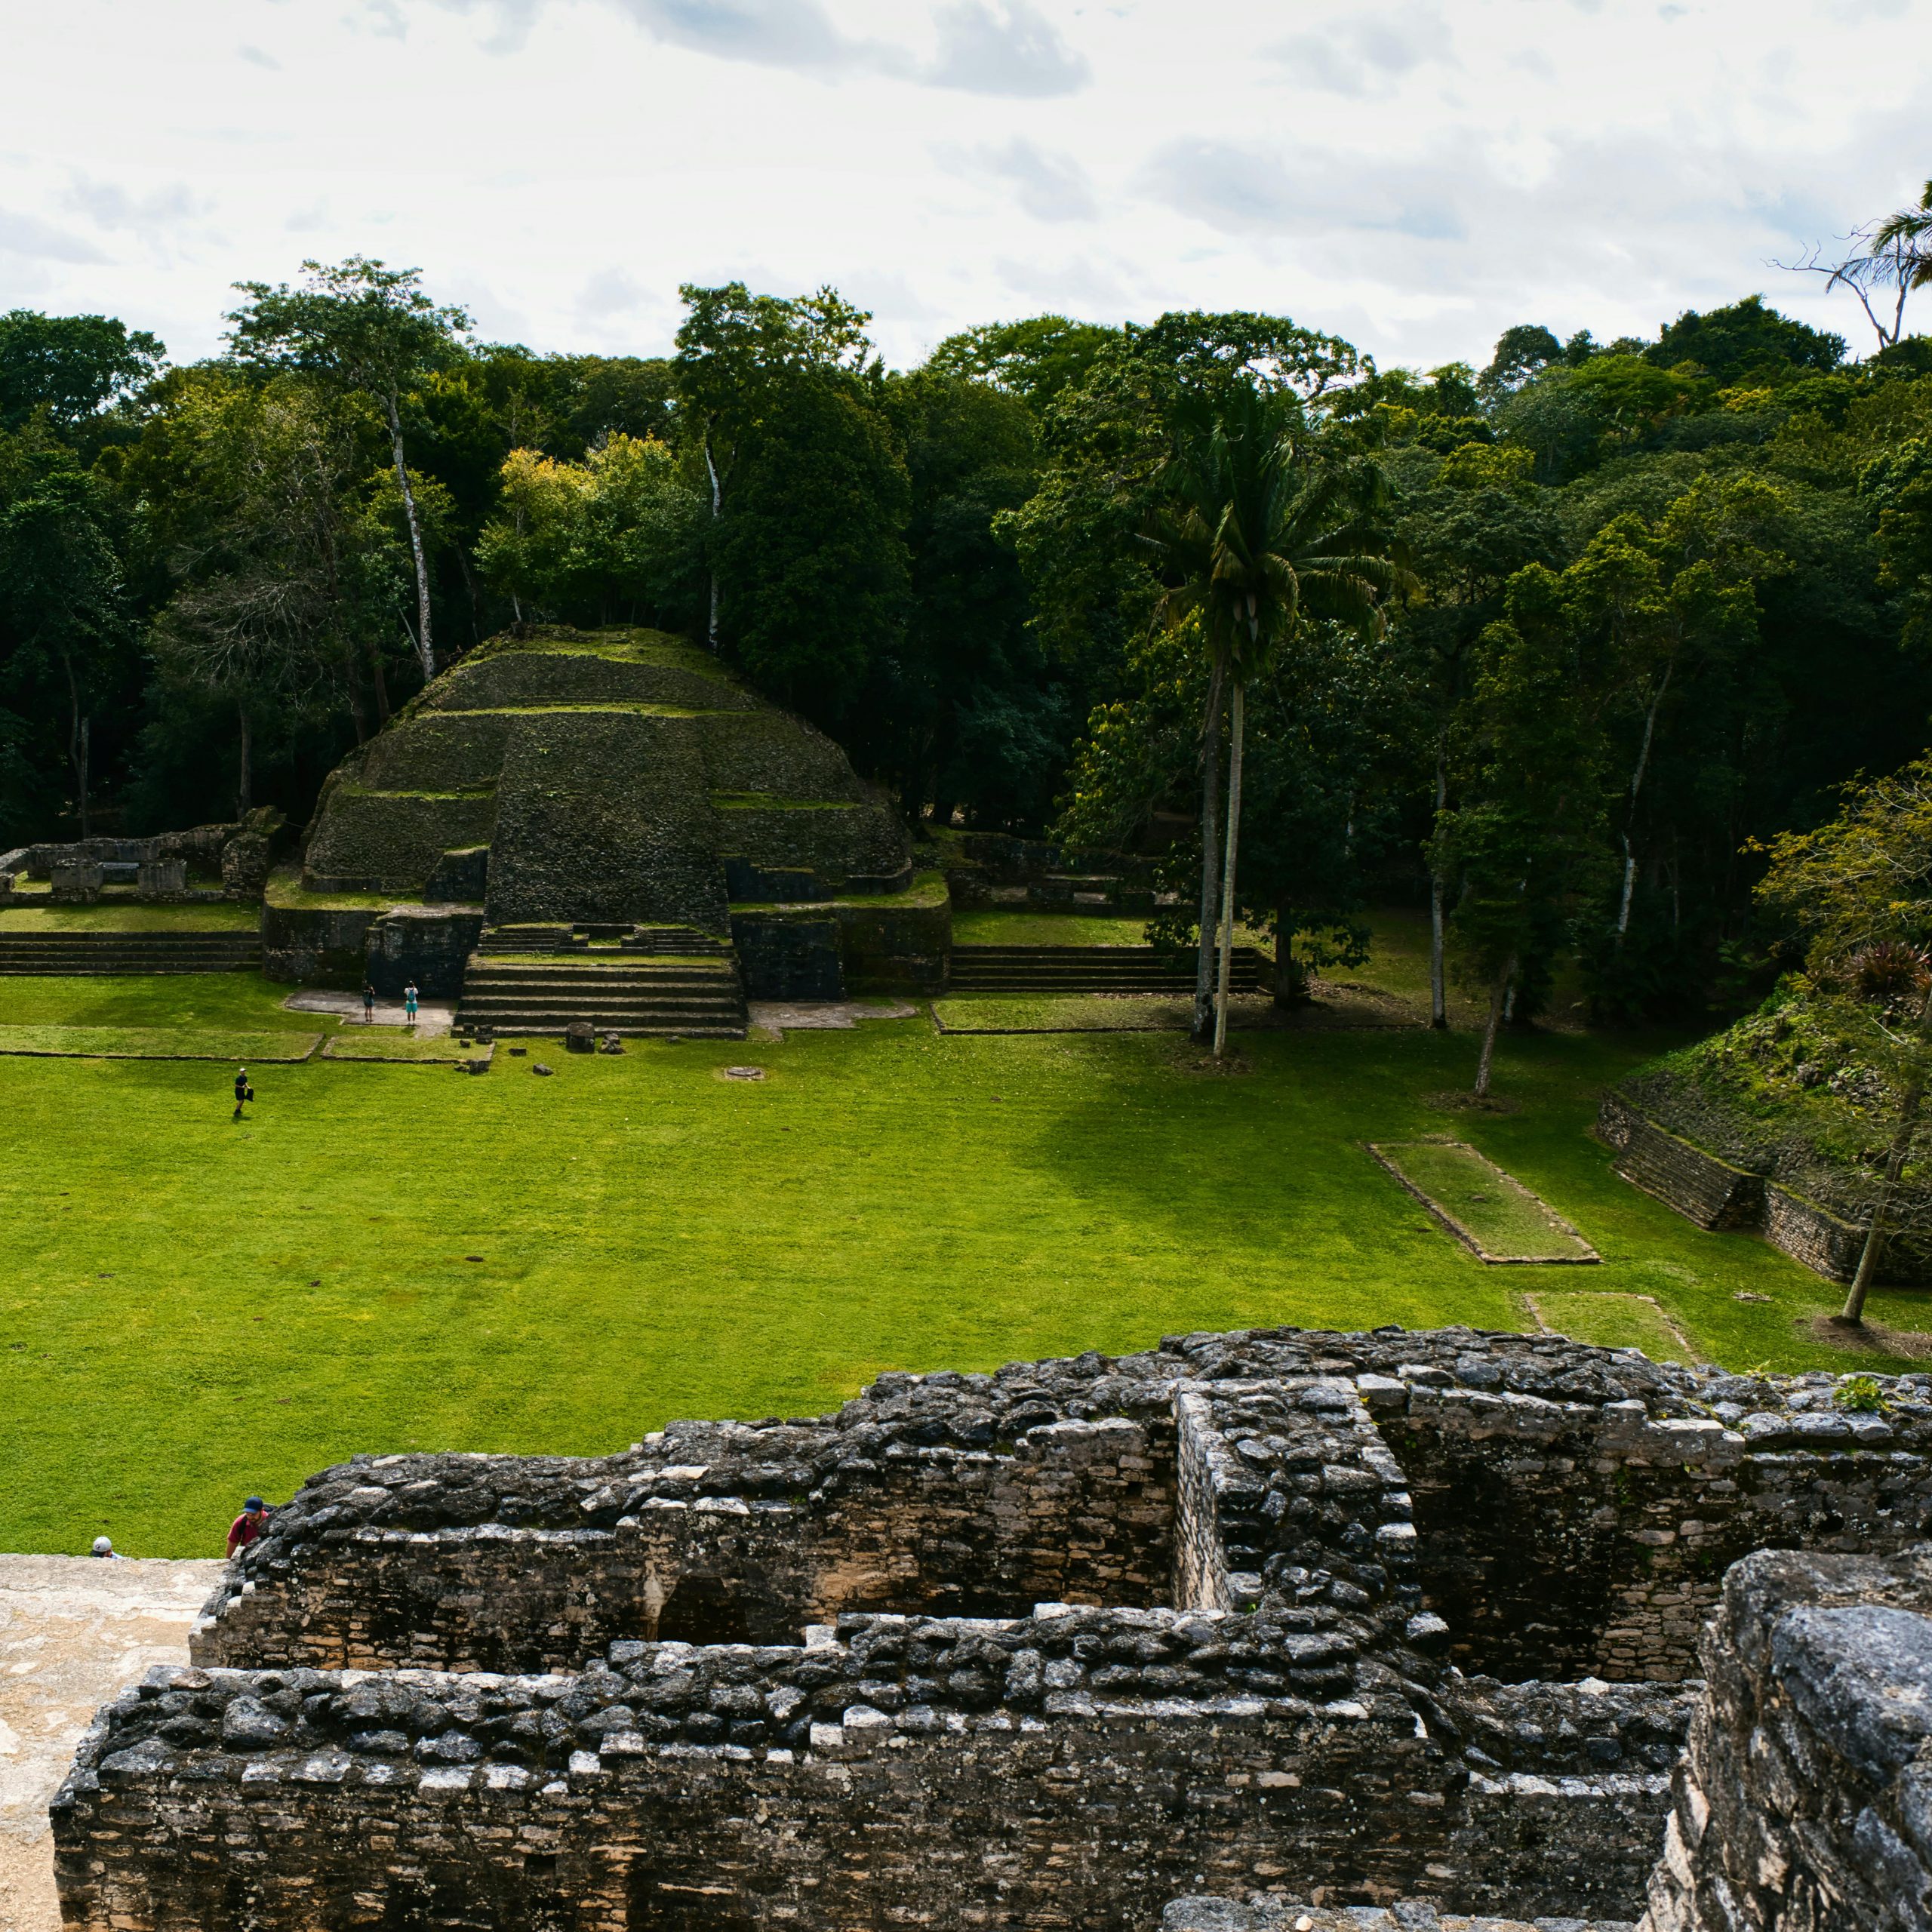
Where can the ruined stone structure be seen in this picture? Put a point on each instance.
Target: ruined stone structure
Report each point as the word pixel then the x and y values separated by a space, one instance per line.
pixel 207 862
pixel 1715 1193
pixel 607 825
pixel 1346 1619
pixel 1805 1799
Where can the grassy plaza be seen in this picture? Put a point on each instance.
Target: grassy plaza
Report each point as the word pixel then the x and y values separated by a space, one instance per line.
pixel 383 1256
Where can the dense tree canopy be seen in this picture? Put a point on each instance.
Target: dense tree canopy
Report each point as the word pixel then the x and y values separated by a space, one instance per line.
pixel 1686 580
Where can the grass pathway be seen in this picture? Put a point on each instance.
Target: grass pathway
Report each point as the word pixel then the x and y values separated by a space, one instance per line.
pixel 189 1310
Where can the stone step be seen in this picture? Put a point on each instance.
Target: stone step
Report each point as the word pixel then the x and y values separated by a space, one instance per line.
pixel 541 994
pixel 1090 969
pixel 493 1013
pixel 84 953
pixel 537 1027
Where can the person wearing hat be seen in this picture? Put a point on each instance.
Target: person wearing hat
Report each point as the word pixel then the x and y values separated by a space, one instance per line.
pixel 243 1092
pixel 103 1546
pixel 246 1527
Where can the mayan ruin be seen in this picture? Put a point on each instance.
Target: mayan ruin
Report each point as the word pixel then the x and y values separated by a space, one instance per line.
pixel 1268 1618
pixel 1162 777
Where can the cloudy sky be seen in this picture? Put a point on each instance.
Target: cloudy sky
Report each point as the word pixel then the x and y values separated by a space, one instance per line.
pixel 1416 175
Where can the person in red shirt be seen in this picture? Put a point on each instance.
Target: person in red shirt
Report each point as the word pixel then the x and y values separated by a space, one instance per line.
pixel 246 1527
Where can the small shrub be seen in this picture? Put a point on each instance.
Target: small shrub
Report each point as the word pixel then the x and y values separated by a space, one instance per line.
pixel 1859 1393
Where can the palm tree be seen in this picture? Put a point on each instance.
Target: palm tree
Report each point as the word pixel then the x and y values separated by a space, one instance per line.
pixel 1893 258
pixel 1267 526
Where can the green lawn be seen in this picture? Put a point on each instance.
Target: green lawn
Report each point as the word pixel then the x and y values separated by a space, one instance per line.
pixel 1611 1321
pixel 216 1002
pixel 156 1043
pixel 1502 1217
pixel 1065 1012
pixel 998 925
pixel 398 1044
pixel 191 1308
pixel 126 916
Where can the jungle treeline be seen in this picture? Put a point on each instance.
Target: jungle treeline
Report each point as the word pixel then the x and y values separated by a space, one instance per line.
pixel 1659 599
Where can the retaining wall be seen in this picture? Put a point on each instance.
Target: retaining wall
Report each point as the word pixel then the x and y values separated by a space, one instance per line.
pixel 1354 1527
pixel 1804 1803
pixel 1714 1194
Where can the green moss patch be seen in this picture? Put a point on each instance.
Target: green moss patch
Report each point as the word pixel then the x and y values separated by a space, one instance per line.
pixel 155 1043
pixel 399 791
pixel 397 1044
pixel 757 802
pixel 1610 1322
pixel 1065 1013
pixel 109 918
pixel 286 891
pixel 1494 1213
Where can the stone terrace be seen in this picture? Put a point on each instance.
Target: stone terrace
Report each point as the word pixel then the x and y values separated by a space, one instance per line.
pixel 1350 1619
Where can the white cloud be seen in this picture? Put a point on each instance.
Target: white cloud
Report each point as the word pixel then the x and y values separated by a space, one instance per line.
pixel 609 292
pixel 41 241
pixel 1048 187
pixel 112 204
pixel 1007 46
pixel 1416 175
pixel 1365 54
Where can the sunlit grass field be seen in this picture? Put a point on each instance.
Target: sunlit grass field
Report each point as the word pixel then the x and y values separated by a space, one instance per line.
pixel 383 1256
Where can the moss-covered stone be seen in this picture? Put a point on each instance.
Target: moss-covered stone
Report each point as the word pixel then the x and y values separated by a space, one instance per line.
pixel 619 776
pixel 886 943
pixel 1774 1097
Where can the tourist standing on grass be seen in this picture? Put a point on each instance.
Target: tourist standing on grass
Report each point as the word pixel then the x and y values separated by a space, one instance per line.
pixel 368 1002
pixel 409 1003
pixel 243 1092
pixel 246 1527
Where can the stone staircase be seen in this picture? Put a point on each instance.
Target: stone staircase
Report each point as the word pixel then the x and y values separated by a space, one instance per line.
pixel 90 952
pixel 621 979
pixel 1090 969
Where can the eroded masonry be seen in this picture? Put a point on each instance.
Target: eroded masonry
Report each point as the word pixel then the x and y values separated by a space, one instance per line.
pixel 1345 1619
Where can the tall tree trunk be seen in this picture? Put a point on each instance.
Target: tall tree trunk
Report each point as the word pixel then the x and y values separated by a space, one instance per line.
pixel 717 510
pixel 382 685
pixel 1210 854
pixel 1869 1255
pixel 1438 992
pixel 1289 980
pixel 1498 993
pixel 352 687
pixel 1630 823
pixel 78 735
pixel 426 649
pixel 1228 872
pixel 244 790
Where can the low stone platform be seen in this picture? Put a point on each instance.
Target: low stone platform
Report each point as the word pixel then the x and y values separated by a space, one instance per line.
pixel 1353 1619
pixel 1265 1915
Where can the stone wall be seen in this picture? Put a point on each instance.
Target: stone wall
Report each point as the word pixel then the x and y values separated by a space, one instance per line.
pixel 1563 1539
pixel 1272 1613
pixel 1702 1188
pixel 1715 1193
pixel 430 945
pixel 894 943
pixel 757 1540
pixel 1066 1769
pixel 1804 1803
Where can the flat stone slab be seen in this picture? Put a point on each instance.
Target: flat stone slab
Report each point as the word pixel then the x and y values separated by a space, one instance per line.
pixel 434 1018
pixel 73 1631
pixel 807 1016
